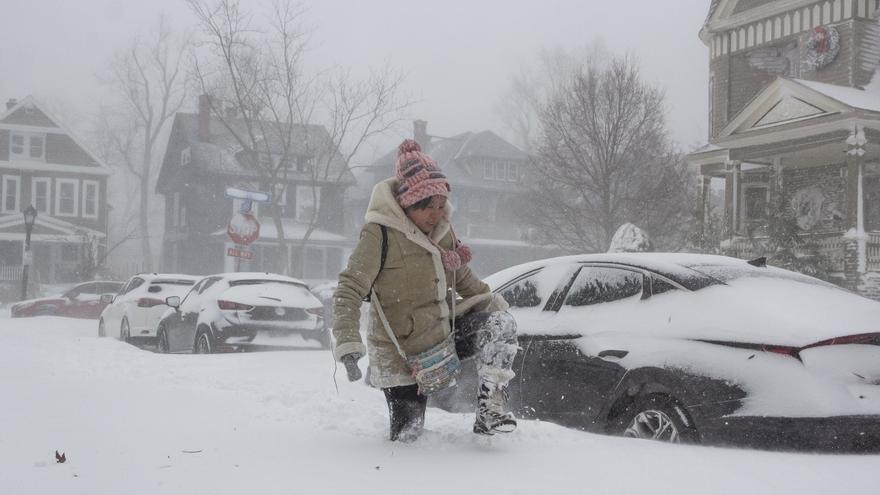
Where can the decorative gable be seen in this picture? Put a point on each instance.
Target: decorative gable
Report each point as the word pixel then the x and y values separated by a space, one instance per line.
pixel 789 108
pixel 784 101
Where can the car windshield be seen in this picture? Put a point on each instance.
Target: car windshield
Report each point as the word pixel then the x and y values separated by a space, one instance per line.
pixel 729 273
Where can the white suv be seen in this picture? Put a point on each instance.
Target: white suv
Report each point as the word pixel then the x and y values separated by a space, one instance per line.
pixel 133 314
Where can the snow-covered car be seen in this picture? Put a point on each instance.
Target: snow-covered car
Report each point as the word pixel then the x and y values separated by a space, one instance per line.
pixel 231 312
pixel 133 314
pixel 691 348
pixel 80 301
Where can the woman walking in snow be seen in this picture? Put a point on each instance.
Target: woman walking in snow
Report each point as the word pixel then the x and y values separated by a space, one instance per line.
pixel 409 259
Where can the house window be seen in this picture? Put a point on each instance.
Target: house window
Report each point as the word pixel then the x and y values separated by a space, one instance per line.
pixel 488 170
pixel 307 199
pixel 90 199
pixel 755 207
pixel 304 163
pixel 27 146
pixel 185 157
pixel 11 189
pixel 512 172
pixel 66 197
pixel 175 208
pixel 40 190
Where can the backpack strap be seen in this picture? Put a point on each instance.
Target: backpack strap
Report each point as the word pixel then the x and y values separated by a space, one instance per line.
pixel 381 260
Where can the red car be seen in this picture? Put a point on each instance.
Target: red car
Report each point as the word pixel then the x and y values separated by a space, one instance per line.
pixel 82 301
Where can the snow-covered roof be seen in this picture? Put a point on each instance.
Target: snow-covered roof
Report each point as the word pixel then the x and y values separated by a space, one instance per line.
pixel 854 97
pixel 663 262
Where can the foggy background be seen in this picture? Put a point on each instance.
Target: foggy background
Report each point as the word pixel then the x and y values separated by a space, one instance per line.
pixel 458 55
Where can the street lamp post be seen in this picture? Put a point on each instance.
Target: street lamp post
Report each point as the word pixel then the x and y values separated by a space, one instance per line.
pixel 30 216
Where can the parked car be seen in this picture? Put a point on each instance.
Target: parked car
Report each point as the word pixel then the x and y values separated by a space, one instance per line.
pixel 81 301
pixel 236 311
pixel 133 314
pixel 691 348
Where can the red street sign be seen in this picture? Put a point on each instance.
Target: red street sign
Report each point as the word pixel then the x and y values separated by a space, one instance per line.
pixel 243 228
pixel 240 253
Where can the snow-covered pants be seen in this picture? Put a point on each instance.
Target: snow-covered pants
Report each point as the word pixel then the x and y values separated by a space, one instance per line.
pixel 489 337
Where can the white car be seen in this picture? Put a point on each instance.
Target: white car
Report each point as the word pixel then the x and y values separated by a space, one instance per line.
pixel 231 312
pixel 133 314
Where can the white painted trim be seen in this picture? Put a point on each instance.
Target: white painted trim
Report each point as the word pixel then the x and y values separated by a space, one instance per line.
pixel 17 207
pixel 85 196
pixel 36 129
pixel 762 136
pixel 58 183
pixel 75 238
pixel 48 182
pixel 773 93
pixel 26 165
pixel 751 15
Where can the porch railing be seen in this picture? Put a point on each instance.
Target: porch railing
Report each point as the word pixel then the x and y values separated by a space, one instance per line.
pixel 10 272
pixel 831 246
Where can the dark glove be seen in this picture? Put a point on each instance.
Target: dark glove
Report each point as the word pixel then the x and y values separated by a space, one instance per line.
pixel 350 361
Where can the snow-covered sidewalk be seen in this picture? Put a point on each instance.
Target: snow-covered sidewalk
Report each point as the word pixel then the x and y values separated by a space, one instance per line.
pixel 134 422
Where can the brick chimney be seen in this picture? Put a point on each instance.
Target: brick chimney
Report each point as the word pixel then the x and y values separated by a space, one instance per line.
pixel 204 118
pixel 11 103
pixel 420 134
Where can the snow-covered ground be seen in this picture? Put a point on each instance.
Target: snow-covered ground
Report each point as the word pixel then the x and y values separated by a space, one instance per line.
pixel 134 422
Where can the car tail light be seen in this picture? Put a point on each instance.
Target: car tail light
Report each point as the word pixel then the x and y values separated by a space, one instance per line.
pixel 319 312
pixel 149 302
pixel 233 306
pixel 861 338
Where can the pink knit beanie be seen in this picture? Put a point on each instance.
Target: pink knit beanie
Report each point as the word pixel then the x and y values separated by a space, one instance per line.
pixel 418 175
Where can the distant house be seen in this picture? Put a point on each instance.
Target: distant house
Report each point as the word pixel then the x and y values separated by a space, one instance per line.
pixel 487 176
pixel 203 158
pixel 794 119
pixel 42 164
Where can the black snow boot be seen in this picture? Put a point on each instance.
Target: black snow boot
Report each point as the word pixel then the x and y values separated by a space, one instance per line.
pixel 491 417
pixel 406 409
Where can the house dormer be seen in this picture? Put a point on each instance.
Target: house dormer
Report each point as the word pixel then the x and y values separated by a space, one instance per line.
pixel 752 42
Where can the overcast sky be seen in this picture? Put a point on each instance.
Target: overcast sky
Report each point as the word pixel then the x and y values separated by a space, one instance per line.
pixel 458 54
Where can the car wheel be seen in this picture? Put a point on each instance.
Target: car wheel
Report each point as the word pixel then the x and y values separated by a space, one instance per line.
pixel 125 331
pixel 203 344
pixel 657 417
pixel 102 331
pixel 162 342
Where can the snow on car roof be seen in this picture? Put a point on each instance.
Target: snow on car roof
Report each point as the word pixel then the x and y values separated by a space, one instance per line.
pixel 234 276
pixel 668 263
pixel 160 277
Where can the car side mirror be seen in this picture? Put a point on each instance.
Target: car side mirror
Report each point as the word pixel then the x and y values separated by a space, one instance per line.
pixel 107 298
pixel 173 301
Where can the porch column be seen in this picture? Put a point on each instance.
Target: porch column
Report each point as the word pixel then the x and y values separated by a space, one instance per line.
pixel 775 184
pixel 855 239
pixel 731 197
pixel 702 207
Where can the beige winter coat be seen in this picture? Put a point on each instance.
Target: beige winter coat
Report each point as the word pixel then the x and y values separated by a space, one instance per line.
pixel 413 289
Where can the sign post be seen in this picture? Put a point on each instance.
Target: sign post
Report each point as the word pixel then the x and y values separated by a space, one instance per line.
pixel 244 228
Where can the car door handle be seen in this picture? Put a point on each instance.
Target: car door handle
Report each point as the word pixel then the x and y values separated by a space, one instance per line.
pixel 620 354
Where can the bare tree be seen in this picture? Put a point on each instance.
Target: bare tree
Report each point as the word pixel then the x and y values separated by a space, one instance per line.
pixel 148 87
pixel 290 125
pixel 603 158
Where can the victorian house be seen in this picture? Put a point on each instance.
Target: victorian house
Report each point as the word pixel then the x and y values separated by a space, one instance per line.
pixel 43 165
pixel 487 175
pixel 794 120
pixel 204 158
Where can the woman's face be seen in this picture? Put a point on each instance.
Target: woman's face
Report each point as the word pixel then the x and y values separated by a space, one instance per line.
pixel 427 218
